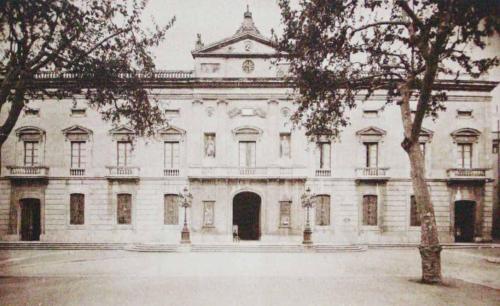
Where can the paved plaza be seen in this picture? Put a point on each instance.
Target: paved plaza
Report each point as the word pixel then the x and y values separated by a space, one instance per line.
pixel 374 277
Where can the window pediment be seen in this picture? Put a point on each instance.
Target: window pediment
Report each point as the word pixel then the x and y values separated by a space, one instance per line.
pixel 122 133
pixel 425 135
pixel 247 133
pixel 465 135
pixel 30 133
pixel 172 133
pixel 371 134
pixel 77 133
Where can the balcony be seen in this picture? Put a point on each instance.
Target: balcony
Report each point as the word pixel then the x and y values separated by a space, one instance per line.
pixel 245 172
pixel 125 173
pixel 28 172
pixel 323 172
pixel 467 174
pixel 372 174
pixel 76 172
pixel 171 172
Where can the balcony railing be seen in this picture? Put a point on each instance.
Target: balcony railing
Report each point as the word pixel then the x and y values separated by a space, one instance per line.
pixel 76 172
pixel 323 172
pixel 123 172
pixel 372 173
pixel 171 172
pixel 249 172
pixel 467 173
pixel 28 171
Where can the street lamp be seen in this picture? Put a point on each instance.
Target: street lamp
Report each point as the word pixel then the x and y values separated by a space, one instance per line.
pixel 186 198
pixel 307 200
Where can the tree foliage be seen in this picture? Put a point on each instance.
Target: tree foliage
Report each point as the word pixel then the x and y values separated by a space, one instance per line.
pixel 340 49
pixel 102 45
pixel 344 51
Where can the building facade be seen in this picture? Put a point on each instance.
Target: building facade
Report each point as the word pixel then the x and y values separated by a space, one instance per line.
pixel 66 175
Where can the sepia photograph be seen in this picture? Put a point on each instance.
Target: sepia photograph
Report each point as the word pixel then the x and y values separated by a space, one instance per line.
pixel 249 152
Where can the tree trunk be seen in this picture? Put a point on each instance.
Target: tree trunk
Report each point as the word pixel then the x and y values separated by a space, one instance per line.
pixel 430 249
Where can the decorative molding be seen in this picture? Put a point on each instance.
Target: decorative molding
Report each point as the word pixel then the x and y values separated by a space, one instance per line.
pixel 77 133
pixel 172 133
pixel 250 133
pixel 371 134
pixel 30 133
pixel 122 133
pixel 246 112
pixel 465 135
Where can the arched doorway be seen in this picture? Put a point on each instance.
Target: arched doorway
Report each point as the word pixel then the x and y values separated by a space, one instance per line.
pixel 246 215
pixel 464 221
pixel 30 219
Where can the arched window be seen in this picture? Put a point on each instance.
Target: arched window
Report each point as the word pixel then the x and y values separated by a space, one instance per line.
pixel 322 210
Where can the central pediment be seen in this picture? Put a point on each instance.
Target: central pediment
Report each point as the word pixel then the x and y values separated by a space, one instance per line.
pixel 246 54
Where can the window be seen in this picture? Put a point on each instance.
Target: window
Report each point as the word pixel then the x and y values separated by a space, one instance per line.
pixel 77 209
pixel 32 112
pixel 494 148
pixel 78 112
pixel 78 154
pixel 208 213
pixel 285 150
pixel 464 113
pixel 171 209
pixel 124 153
pixel 171 151
pixel 464 158
pixel 31 153
pixel 172 112
pixel 370 210
pixel 285 212
pixel 324 155
pixel 210 145
pixel 124 209
pixel 370 113
pixel 247 154
pixel 414 217
pixel 371 154
pixel 322 210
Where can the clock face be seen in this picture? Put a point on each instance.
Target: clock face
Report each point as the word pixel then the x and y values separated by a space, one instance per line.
pixel 248 45
pixel 248 66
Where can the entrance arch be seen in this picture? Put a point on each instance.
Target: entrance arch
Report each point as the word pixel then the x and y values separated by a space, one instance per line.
pixel 30 219
pixel 464 221
pixel 246 215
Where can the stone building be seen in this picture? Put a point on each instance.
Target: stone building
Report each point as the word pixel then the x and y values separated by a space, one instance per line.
pixel 66 175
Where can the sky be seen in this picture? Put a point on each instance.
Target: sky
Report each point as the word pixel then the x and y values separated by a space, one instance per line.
pixel 213 19
pixel 219 19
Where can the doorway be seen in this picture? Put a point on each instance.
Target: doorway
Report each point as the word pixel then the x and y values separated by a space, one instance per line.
pixel 246 215
pixel 30 219
pixel 464 221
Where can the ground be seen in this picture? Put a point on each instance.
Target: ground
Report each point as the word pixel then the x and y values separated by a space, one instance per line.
pixel 374 277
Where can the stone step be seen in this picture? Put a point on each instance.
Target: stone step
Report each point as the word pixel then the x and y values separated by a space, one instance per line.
pixel 29 245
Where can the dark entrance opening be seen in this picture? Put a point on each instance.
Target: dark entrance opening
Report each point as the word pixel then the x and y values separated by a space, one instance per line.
pixel 30 219
pixel 464 221
pixel 246 215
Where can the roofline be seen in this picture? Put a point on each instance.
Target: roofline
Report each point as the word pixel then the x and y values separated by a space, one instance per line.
pixel 232 39
pixel 186 79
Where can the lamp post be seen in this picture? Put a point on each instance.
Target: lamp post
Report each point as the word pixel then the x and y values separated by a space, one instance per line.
pixel 307 203
pixel 186 197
